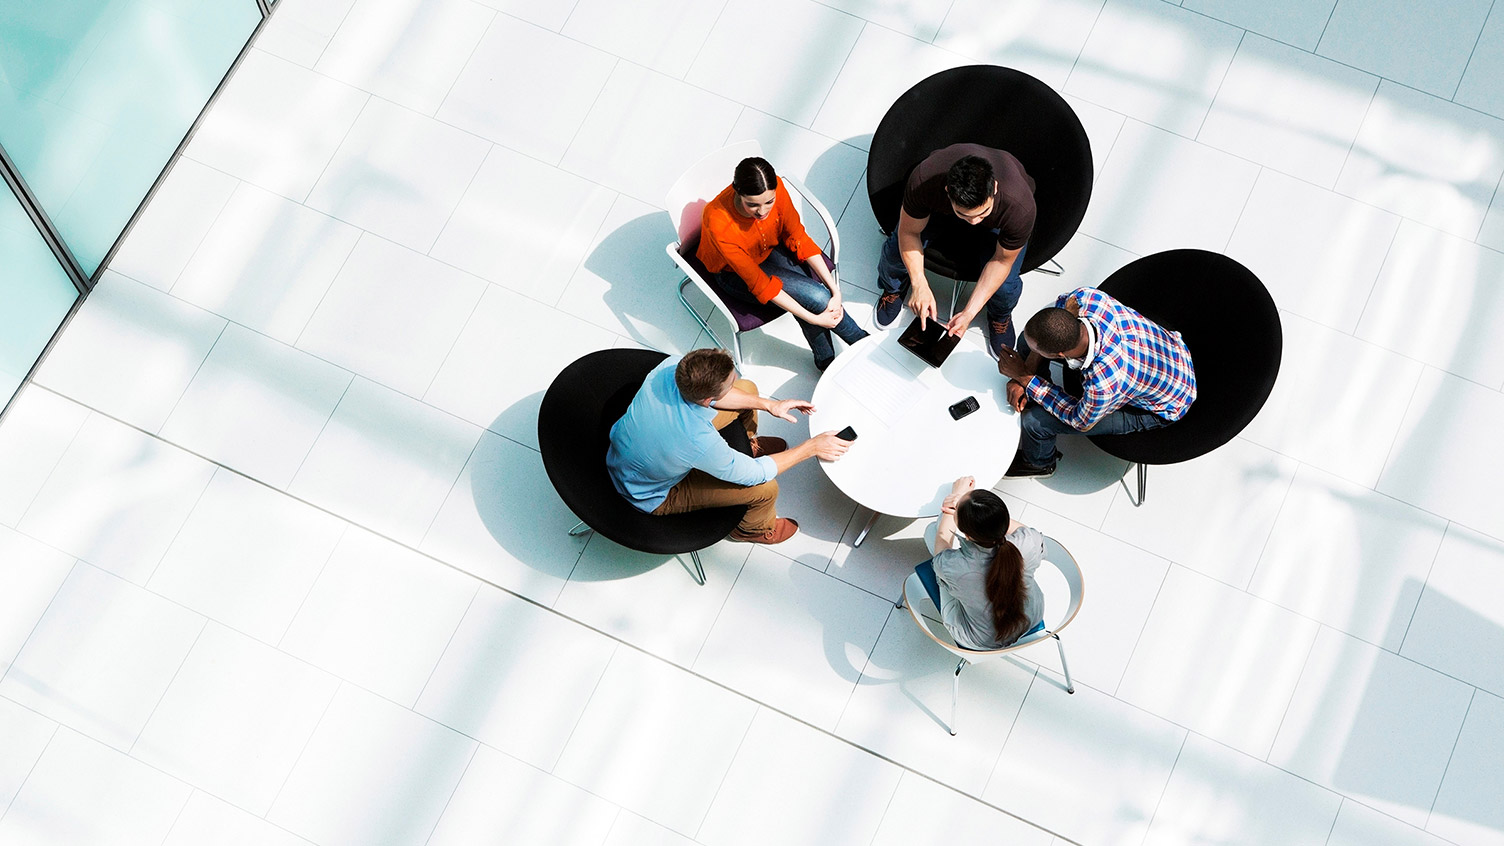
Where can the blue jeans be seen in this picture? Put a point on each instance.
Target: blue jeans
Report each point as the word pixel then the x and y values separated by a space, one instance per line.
pixel 1039 428
pixel 893 278
pixel 807 291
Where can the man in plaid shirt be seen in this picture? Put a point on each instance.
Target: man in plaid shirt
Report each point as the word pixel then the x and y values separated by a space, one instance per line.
pixel 1135 375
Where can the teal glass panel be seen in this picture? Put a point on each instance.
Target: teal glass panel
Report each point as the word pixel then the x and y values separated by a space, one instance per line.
pixel 35 291
pixel 96 94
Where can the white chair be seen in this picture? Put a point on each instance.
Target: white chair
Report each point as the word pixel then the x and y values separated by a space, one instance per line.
pixel 685 203
pixel 1059 611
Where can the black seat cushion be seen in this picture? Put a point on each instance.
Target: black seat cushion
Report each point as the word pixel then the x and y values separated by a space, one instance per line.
pixel 1001 108
pixel 574 426
pixel 1232 328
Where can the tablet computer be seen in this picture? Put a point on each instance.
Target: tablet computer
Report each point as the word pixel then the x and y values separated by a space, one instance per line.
pixel 932 343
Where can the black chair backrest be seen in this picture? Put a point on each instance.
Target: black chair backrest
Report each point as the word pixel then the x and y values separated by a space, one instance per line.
pixel 1232 328
pixel 997 107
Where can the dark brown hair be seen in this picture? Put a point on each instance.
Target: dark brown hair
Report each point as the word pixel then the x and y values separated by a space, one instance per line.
pixel 701 374
pixel 983 516
pixel 754 176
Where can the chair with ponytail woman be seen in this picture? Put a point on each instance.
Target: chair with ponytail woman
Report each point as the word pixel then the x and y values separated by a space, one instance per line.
pixel 990 588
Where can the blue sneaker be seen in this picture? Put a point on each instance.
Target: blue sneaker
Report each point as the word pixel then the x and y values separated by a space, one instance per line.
pixel 888 308
pixel 1000 334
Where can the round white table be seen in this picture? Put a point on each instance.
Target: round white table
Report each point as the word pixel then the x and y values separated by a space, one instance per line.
pixel 908 449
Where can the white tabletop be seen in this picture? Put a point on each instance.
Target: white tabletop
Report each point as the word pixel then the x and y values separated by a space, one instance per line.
pixel 908 449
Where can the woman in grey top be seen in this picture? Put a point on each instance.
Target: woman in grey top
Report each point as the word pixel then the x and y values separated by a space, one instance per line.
pixel 991 599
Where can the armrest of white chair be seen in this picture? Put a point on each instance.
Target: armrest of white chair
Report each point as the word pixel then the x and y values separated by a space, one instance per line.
pixel 834 241
pixel 699 282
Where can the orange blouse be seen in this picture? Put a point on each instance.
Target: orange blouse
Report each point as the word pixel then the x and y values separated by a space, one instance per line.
pixel 729 240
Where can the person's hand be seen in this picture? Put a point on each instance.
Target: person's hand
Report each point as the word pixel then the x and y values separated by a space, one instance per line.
pixel 1073 306
pixel 835 298
pixel 958 323
pixel 784 409
pixel 828 447
pixel 922 303
pixel 829 317
pixel 961 487
pixel 1012 365
pixel 1017 396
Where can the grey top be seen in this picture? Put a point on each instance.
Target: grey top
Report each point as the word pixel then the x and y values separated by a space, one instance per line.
pixel 963 572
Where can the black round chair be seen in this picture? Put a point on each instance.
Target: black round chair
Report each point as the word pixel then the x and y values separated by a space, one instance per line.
pixel 997 107
pixel 1232 328
pixel 574 430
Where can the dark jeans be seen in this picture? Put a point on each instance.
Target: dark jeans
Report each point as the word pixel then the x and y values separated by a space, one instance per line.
pixel 1039 428
pixel 893 277
pixel 807 291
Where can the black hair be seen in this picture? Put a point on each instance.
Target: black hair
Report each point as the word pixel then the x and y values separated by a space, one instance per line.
pixel 969 181
pixel 754 176
pixel 1053 330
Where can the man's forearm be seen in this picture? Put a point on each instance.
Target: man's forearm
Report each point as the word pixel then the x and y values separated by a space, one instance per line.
pixel 994 274
pixel 738 400
pixel 794 455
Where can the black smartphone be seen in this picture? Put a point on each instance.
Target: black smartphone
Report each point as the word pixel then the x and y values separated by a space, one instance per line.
pixel 847 434
pixel 964 407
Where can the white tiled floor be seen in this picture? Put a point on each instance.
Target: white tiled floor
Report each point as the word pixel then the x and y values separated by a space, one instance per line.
pixel 280 562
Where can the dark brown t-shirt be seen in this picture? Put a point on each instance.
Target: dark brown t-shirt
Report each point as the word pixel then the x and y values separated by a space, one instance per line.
pixel 1013 212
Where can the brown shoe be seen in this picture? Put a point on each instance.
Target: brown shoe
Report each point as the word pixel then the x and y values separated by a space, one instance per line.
pixel 768 446
pixel 781 531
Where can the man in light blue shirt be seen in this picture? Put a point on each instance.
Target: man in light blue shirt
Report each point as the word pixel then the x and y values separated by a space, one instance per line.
pixel 668 454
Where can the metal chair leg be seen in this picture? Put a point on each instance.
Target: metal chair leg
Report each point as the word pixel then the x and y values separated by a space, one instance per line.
pixel 699 572
pixel 704 324
pixel 1070 686
pixel 580 529
pixel 1051 271
pixel 955 694
pixel 1143 484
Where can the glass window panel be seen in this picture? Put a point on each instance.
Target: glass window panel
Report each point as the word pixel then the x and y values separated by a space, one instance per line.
pixel 35 291
pixel 96 94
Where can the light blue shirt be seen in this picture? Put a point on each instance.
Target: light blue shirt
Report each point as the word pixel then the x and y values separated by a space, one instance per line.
pixel 663 436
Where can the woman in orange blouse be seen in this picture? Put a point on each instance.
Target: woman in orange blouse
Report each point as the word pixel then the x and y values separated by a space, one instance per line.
pixel 752 244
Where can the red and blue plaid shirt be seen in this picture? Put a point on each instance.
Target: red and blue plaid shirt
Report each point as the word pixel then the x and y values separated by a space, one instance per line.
pixel 1137 362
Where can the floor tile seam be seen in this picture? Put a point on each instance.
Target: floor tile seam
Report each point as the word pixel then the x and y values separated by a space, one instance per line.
pixel 1139 638
pixel 453 791
pixel 940 27
pixel 1076 63
pixel 584 708
pixel 198 244
pixel 343 139
pixel 710 806
pixel 573 6
pixel 1226 72
pixel 333 34
pixel 495 14
pixel 1012 724
pixel 815 117
pixel 597 238
pixel 862 674
pixel 286 488
pixel 709 631
pixel 344 529
pixel 1341 801
pixel 878 827
pixel 1493 202
pixel 439 659
pixel 1441 782
pixel 52 471
pixel 690 67
pixel 1169 776
pixel 449 217
pixel 1368 300
pixel 1247 585
pixel 203 626
pixel 1424 585
pixel 181 809
pixel 454 343
pixel 1290 702
pixel 11 662
pixel 197 370
pixel 146 579
pixel 21 785
pixel 1394 441
pixel 1473 52
pixel 1331 13
pixel 303 750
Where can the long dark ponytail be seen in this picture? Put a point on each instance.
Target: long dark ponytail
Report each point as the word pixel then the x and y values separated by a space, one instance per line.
pixel 983 517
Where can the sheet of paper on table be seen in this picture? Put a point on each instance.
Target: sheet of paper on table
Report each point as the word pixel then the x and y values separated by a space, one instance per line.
pixel 884 384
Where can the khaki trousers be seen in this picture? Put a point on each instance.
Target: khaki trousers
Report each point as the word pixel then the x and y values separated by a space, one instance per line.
pixel 702 490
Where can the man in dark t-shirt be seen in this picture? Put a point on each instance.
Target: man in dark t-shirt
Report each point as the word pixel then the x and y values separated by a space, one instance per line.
pixel 977 203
